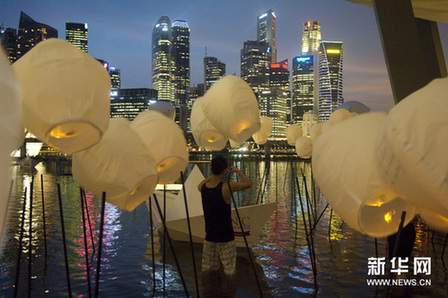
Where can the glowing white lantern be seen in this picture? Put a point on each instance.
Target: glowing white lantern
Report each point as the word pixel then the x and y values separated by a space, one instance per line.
pixel 11 130
pixel 165 108
pixel 204 133
pixel 339 115
pixel 411 149
pixel 354 106
pixel 166 143
pixel 293 132
pixel 304 147
pixel 262 135
pixel 66 95
pixel 316 130
pixel 345 171
pixel 231 106
pixel 119 165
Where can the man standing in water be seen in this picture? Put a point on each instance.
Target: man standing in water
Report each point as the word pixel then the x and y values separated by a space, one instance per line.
pixel 219 245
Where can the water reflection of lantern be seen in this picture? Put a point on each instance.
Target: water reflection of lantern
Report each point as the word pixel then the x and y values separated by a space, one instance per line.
pixel 293 132
pixel 232 108
pixel 345 170
pixel 411 148
pixel 119 165
pixel 11 129
pixel 262 135
pixel 204 133
pixel 66 95
pixel 166 143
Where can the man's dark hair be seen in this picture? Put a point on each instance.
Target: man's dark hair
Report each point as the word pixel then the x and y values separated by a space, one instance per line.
pixel 219 164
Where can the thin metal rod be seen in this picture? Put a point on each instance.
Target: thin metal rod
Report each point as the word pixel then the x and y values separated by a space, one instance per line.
pixel 164 240
pixel 400 228
pixel 152 247
pixel 19 255
pixel 444 245
pixel 245 240
pixel 85 242
pixel 30 244
pixel 100 245
pixel 86 206
pixel 189 233
pixel 171 245
pixel 64 242
pixel 43 217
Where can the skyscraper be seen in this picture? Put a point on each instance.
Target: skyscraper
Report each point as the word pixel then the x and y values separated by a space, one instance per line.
pixel 266 26
pixel 213 71
pixel 30 33
pixel 302 87
pixel 162 62
pixel 330 78
pixel 255 65
pixel 115 78
pixel 181 56
pixel 77 34
pixel 311 37
pixel 128 103
pixel 8 38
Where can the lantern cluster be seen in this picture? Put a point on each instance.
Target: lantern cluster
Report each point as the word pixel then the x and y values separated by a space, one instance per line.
pixel 374 166
pixel 228 111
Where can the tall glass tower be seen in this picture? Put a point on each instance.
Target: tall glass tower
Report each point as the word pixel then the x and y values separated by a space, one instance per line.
pixel 213 71
pixel 162 62
pixel 8 38
pixel 311 37
pixel 30 33
pixel 255 63
pixel 181 56
pixel 77 34
pixel 266 27
pixel 330 78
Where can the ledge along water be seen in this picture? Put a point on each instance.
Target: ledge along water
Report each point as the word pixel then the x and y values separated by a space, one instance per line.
pixel 283 262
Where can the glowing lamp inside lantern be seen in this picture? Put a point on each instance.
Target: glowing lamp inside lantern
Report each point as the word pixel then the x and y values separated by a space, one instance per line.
pixel 140 192
pixel 388 216
pixel 168 163
pixel 213 137
pixel 75 132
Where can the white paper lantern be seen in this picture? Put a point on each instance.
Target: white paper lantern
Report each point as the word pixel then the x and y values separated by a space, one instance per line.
pixel 11 130
pixel 165 108
pixel 166 143
pixel 262 135
pixel 354 106
pixel 66 95
pixel 434 220
pixel 119 165
pixel 304 147
pixel 345 170
pixel 293 132
pixel 411 149
pixel 231 106
pixel 339 115
pixel 204 133
pixel 316 130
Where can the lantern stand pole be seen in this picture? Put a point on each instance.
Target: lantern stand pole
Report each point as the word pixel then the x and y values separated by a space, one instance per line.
pixel 152 247
pixel 171 245
pixel 43 218
pixel 329 224
pixel 64 243
pixel 90 225
pixel 308 239
pixel 85 242
pixel 100 245
pixel 260 187
pixel 30 245
pixel 164 239
pixel 189 233
pixel 245 239
pixel 432 238
pixel 444 245
pixel 397 240
pixel 318 219
pixel 19 255
pixel 376 247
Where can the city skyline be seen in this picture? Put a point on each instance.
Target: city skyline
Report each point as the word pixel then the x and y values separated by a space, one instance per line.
pixel 121 34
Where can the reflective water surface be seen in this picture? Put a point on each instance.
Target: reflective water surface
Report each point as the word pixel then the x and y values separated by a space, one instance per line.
pixel 283 262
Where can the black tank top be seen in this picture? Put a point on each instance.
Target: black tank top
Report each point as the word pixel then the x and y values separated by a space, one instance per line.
pixel 218 221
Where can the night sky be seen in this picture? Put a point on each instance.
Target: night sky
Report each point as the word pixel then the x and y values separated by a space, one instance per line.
pixel 120 33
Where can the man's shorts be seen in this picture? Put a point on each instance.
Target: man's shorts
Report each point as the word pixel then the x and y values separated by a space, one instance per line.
pixel 215 253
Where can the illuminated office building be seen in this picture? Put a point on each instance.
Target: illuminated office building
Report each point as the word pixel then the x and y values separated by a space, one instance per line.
pixel 30 33
pixel 273 104
pixel 162 62
pixel 77 34
pixel 311 37
pixel 213 71
pixel 330 78
pixel 128 103
pixel 266 28
pixel 181 56
pixel 8 38
pixel 115 79
pixel 302 87
pixel 255 65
